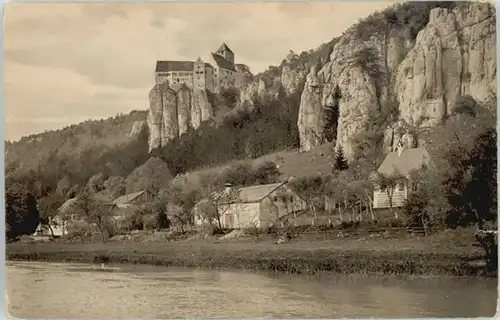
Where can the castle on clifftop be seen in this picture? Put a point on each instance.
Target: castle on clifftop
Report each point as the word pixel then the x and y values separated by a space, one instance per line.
pixel 219 72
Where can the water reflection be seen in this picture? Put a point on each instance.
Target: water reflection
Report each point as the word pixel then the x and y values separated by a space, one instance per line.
pixel 60 290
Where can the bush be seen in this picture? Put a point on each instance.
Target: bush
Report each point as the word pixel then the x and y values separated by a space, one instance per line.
pixel 465 105
pixel 415 209
pixel 239 175
pixel 267 172
pixel 162 221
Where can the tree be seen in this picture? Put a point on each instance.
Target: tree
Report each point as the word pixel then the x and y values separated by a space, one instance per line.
pixel 162 221
pixel 21 212
pixel 473 194
pixel 159 210
pixel 340 163
pixel 179 205
pixel 230 96
pixel 464 183
pixel 48 207
pixel 388 184
pixel 93 212
pixel 267 172
pixel 331 115
pixel 415 209
pixel 217 202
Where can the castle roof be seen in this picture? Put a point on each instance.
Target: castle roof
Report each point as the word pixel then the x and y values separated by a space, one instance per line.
pixel 223 63
pixel 165 66
pixel 224 47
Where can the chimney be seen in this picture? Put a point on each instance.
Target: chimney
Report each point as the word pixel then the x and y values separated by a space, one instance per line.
pixel 400 148
pixel 227 188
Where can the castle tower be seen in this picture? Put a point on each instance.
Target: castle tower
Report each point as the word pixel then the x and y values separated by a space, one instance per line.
pixel 199 74
pixel 225 52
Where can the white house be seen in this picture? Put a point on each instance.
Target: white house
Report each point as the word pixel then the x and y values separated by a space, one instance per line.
pixel 57 227
pixel 257 206
pixel 398 165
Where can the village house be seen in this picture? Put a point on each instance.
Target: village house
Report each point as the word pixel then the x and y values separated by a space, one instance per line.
pixel 397 166
pixel 125 205
pixel 256 206
pixel 134 199
pixel 219 72
pixel 56 227
pixel 68 213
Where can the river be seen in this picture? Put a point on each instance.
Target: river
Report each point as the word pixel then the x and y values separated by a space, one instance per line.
pixel 47 290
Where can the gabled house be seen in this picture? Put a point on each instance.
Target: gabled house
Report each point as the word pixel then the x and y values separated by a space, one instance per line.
pixel 125 206
pixel 256 206
pixel 134 199
pixel 397 166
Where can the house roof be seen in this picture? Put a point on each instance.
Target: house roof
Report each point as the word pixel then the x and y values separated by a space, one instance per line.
pixel 128 197
pixel 165 66
pixel 257 193
pixel 101 198
pixel 402 165
pixel 224 47
pixel 223 63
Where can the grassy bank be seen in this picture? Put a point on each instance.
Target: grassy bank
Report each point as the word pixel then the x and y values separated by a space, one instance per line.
pixel 442 254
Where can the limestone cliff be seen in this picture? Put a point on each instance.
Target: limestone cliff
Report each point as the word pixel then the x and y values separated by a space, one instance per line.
pixel 310 119
pixel 172 111
pixel 452 55
pixel 136 128
pixel 289 76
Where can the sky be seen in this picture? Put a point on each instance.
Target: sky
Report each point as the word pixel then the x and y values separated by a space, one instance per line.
pixel 65 63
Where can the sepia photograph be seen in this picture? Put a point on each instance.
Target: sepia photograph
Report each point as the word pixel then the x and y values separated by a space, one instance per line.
pixel 239 160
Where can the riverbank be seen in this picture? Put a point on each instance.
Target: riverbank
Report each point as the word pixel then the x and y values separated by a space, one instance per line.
pixel 446 253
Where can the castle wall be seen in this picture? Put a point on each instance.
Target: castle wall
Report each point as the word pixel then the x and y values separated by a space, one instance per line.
pixel 199 75
pixel 204 76
pixel 161 77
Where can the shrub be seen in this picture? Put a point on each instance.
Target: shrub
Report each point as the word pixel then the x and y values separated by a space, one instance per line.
pixel 162 221
pixel 415 209
pixel 465 105
pixel 267 172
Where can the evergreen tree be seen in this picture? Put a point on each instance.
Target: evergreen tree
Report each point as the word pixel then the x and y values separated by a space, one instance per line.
pixel 340 163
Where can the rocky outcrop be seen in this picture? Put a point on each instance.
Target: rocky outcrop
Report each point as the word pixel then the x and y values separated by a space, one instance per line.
pixel 173 112
pixel 137 127
pixel 254 89
pixel 292 79
pixel 183 109
pixel 310 120
pixel 453 55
